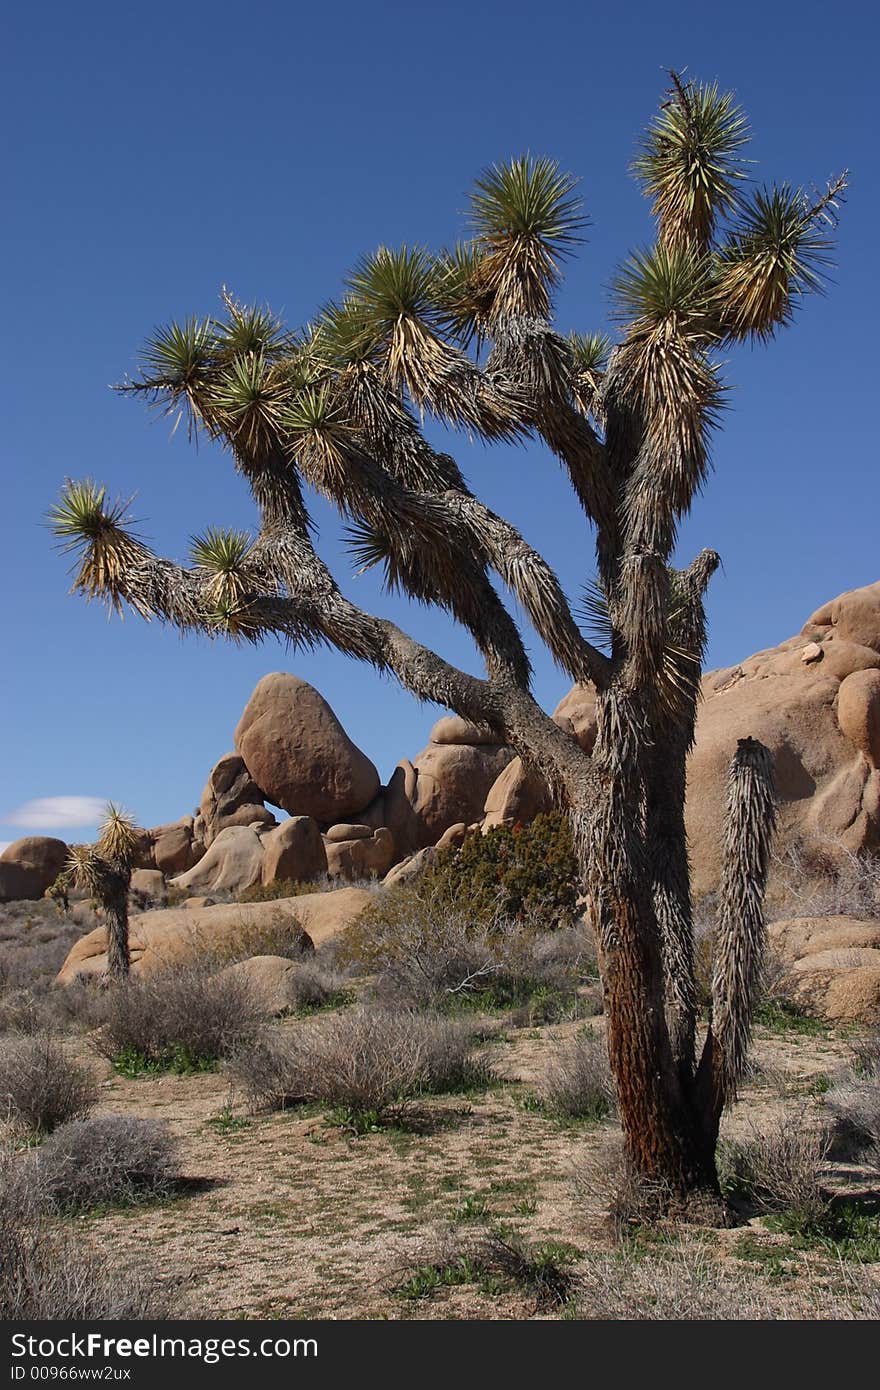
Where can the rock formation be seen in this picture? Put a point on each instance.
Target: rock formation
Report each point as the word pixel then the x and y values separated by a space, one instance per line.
pixel 234 862
pixel 29 866
pixel 453 776
pixel 231 797
pixel 294 850
pixel 159 939
pixel 298 752
pixel 815 702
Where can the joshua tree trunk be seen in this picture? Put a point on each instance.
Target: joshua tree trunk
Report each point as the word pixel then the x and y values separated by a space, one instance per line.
pixel 114 901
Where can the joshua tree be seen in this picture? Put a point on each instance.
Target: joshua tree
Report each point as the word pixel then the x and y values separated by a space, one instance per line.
pixel 466 336
pixel 104 870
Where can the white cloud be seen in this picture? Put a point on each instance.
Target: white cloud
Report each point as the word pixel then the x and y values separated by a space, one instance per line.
pixel 4 844
pixel 57 812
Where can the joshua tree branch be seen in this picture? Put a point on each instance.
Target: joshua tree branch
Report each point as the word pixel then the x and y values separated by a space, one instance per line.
pixel 739 953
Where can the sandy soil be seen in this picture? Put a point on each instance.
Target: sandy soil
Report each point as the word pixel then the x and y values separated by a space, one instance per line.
pixel 287 1215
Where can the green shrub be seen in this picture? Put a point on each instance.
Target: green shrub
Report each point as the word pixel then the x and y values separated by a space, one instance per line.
pixel 513 871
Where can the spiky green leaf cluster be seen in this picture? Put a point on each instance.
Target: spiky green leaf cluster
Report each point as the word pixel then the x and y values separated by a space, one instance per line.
pixel 525 221
pixel 118 836
pixel 690 163
pixel 780 251
pixel 97 531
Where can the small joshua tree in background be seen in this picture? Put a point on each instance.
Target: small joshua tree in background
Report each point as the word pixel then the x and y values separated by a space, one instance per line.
pixel 337 407
pixel 104 870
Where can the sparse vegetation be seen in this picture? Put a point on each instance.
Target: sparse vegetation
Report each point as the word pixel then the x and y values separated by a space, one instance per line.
pixel 854 1102
pixel 578 1084
pixel 104 1161
pixel 366 1063
pixel 51 1274
pixel 497 1260
pixel 182 1019
pixel 780 1171
pixel 41 1087
pixel 280 888
pixel 427 951
pixel 686 1284
pixel 815 880
pixel 282 934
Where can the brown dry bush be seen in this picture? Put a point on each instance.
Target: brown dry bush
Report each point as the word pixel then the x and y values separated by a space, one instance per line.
pixel 812 880
pixel 40 1087
pixel 781 1169
pixel 32 951
pixel 578 1084
pixel 105 1161
pixel 854 1105
pixel 365 1062
pixel 315 986
pixel 186 1018
pixel 282 934
pixel 48 1274
pixel 866 1053
pixel 686 1285
pixel 607 1182
pixel 854 1102
pixel 427 951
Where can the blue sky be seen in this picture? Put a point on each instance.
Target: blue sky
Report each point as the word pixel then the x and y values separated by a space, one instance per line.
pixel 159 152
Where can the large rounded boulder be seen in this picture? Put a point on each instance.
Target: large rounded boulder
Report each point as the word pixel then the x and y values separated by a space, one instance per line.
pixel 234 862
pixel 297 751
pixel 161 939
pixel 294 850
pixel 29 866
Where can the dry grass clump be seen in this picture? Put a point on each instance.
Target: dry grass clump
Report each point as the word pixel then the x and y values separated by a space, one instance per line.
pixel 854 1102
pixel 826 881
pixel 184 1019
pixel 781 1170
pixel 40 1087
pixel 366 1062
pixel 282 934
pixel 314 985
pixel 866 1053
pixel 281 888
pixel 33 947
pixel 48 1274
pixel 607 1183
pixel 578 1084
pixel 107 1160
pixel 686 1284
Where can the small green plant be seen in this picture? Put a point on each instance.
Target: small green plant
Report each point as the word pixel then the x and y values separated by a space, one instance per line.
pixel 228 1123
pixel 180 1060
pixel 774 1261
pixel 781 1016
pixel 427 1279
pixel 848 1229
pixel 472 1208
